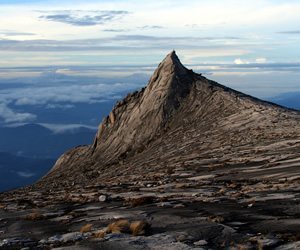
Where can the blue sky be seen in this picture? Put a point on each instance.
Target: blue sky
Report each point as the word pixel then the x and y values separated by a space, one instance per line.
pixel 253 46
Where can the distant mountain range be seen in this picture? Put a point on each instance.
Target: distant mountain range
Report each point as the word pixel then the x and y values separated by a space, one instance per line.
pixel 36 141
pixel 16 171
pixel 291 100
pixel 28 152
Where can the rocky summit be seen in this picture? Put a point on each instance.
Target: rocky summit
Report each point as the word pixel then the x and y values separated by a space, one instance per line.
pixel 184 163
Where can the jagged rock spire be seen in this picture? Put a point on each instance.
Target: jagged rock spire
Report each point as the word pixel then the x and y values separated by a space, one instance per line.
pixel 170 65
pixel 173 59
pixel 141 116
pixel 144 115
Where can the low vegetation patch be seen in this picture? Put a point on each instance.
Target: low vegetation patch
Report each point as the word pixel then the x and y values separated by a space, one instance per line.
pixel 215 218
pixel 139 227
pixel 99 234
pixel 139 201
pixel 136 228
pixel 119 226
pixel 34 216
pixel 86 228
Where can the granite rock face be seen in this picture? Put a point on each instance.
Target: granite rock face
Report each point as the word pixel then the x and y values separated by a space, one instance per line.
pixel 180 118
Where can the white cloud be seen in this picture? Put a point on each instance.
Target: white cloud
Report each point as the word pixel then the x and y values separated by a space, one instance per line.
pixel 226 14
pixel 59 43
pixel 84 18
pixel 10 116
pixel 25 174
pixel 66 128
pixel 59 106
pixel 55 92
pixel 89 93
pixel 61 89
pixel 261 60
pixel 240 61
pixel 15 74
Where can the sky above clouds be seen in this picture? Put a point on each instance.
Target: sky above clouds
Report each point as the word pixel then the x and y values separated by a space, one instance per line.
pixel 141 32
pixel 253 46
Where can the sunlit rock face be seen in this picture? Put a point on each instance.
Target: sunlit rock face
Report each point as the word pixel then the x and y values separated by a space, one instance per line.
pixel 183 119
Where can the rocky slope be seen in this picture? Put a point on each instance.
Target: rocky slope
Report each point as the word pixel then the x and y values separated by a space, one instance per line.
pixel 182 119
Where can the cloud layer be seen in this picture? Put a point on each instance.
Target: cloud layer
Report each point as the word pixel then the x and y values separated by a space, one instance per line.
pixel 64 88
pixel 290 32
pixel 8 115
pixel 84 18
pixel 60 92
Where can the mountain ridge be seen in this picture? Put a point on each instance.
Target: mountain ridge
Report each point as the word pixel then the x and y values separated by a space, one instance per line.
pixel 175 99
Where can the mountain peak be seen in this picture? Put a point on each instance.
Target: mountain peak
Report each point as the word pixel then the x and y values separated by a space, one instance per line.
pixel 172 57
pixel 145 114
pixel 172 63
pixel 170 76
pixel 177 109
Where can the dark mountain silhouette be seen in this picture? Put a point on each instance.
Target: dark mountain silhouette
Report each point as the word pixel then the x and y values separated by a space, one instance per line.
pixel 180 118
pixel 27 152
pixel 291 100
pixel 17 171
pixel 36 141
